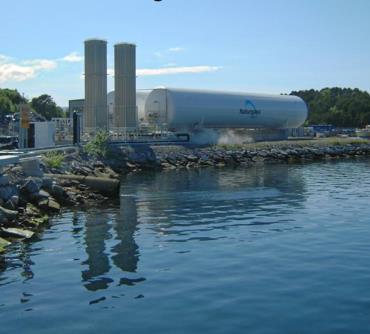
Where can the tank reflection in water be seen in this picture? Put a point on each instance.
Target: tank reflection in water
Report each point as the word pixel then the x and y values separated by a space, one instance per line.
pixel 198 202
pixel 270 249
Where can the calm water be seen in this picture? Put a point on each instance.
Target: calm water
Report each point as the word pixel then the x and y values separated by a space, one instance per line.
pixel 274 249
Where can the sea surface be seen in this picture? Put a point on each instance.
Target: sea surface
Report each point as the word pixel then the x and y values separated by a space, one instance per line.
pixel 268 249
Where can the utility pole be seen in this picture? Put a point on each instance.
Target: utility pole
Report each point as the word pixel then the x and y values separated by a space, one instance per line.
pixel 24 124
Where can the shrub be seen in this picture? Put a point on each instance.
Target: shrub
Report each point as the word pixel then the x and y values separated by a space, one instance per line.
pixel 99 145
pixel 53 159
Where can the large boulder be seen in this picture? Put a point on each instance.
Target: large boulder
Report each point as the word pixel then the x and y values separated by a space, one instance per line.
pixel 17 233
pixel 31 167
pixel 47 183
pixel 4 180
pixel 48 205
pixel 58 192
pixel 31 186
pixel 7 215
pixel 6 192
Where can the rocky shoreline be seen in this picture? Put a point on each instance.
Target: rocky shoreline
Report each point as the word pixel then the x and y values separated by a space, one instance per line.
pixel 27 199
pixel 177 157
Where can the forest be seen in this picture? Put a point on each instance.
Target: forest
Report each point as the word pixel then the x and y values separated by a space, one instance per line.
pixel 43 105
pixel 342 107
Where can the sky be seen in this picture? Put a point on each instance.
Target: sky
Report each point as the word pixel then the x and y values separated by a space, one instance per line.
pixel 266 46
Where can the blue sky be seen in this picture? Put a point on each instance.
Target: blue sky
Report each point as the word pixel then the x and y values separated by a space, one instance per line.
pixel 271 46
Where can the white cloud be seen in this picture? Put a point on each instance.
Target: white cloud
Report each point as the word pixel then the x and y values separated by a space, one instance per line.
pixel 14 72
pixel 144 72
pixel 4 59
pixel 177 70
pixel 41 64
pixel 72 57
pixel 11 71
pixel 176 49
pixel 158 54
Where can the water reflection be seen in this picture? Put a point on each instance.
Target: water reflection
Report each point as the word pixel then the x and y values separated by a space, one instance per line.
pixel 124 255
pixel 126 251
pixel 176 206
pixel 181 203
pixel 96 233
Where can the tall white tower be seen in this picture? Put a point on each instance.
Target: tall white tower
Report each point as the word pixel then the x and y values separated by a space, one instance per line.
pixel 95 108
pixel 125 117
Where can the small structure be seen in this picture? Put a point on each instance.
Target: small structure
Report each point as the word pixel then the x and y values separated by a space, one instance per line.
pixel 63 128
pixel 41 134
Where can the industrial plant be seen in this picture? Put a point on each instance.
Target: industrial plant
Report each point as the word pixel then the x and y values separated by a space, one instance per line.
pixel 167 113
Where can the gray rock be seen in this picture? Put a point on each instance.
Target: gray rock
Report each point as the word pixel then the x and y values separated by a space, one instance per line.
pixel 6 192
pixel 57 191
pixel 16 170
pixel 7 215
pixel 36 197
pixel 98 164
pixel 82 170
pixel 49 205
pixel 15 200
pixel 192 158
pixel 31 186
pixel 47 183
pixel 130 165
pixel 4 180
pixel 9 205
pixel 53 205
pixel 31 167
pixel 166 165
pixel 43 203
pixel 44 194
pixel 17 233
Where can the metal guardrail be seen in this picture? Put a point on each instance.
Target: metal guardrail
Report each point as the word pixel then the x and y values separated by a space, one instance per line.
pixel 10 157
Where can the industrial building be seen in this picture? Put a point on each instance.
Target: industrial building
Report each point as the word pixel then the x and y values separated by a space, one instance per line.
pixel 127 111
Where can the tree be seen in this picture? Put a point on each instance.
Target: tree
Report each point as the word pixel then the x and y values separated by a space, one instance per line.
pixel 45 106
pixel 13 96
pixel 9 100
pixel 343 107
pixel 6 106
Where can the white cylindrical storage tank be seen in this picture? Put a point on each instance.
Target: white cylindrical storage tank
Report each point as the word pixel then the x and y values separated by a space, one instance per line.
pixel 141 97
pixel 95 108
pixel 125 86
pixel 185 109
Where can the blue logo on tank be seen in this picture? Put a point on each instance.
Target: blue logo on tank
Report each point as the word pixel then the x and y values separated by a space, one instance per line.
pixel 250 109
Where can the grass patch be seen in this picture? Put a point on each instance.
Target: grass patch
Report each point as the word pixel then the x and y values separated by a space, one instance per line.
pixel 359 141
pixel 53 159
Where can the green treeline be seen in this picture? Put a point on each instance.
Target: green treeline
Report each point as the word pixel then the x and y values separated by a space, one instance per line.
pixel 342 107
pixel 44 105
pixel 9 101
